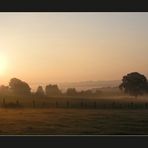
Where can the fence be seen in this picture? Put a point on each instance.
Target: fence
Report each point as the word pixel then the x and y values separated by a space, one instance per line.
pixel 79 104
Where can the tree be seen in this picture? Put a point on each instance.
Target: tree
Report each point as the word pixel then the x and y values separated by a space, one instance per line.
pixel 134 84
pixel 19 87
pixel 71 92
pixel 40 91
pixel 4 90
pixel 97 92
pixel 52 90
pixel 86 93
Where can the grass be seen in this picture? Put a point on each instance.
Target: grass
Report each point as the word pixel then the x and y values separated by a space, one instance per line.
pixel 74 116
pixel 73 121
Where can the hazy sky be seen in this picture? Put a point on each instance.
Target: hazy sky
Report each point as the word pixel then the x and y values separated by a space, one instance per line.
pixel 69 47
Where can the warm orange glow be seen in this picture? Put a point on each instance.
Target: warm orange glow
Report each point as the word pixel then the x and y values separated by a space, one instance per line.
pixel 67 47
pixel 3 65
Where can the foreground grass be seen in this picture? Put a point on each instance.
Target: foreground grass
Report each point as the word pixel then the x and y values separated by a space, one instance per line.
pixel 73 121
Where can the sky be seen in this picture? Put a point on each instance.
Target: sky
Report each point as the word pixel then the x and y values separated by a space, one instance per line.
pixel 71 47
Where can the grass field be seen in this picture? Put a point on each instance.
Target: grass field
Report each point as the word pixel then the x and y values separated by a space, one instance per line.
pixel 73 121
pixel 74 116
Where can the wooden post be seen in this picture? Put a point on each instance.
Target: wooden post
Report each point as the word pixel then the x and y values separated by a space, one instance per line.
pixel 85 104
pixel 81 104
pixel 43 104
pixel 113 105
pixel 146 105
pixel 33 104
pixel 95 104
pixel 104 106
pixel 132 105
pixel 128 105
pixel 4 103
pixel 67 104
pixel 56 104
pixel 17 102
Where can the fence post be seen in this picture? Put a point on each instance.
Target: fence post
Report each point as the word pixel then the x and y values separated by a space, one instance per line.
pixel 85 104
pixel 33 104
pixel 146 105
pixel 113 105
pixel 120 105
pixel 56 104
pixel 4 103
pixel 43 104
pixel 104 106
pixel 132 105
pixel 67 104
pixel 17 102
pixel 81 104
pixel 128 105
pixel 95 104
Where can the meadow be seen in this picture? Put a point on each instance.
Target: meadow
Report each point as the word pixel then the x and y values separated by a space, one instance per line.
pixel 74 116
pixel 73 122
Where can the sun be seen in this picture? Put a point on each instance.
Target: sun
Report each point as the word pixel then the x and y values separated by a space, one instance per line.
pixel 3 64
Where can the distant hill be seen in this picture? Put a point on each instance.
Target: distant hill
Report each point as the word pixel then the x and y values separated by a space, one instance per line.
pixel 82 85
pixel 90 84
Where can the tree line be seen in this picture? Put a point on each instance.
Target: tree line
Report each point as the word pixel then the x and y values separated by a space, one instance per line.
pixel 18 87
pixel 133 84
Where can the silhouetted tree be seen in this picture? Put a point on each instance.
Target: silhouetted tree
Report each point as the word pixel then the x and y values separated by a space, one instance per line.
pixel 52 90
pixel 19 87
pixel 134 84
pixel 4 89
pixel 71 92
pixel 97 92
pixel 90 93
pixel 86 93
pixel 40 91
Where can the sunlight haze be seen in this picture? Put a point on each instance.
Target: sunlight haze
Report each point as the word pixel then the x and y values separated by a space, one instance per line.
pixel 72 47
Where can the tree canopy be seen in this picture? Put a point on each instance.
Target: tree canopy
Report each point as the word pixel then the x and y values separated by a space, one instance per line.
pixel 134 84
pixel 19 87
pixel 52 90
pixel 40 91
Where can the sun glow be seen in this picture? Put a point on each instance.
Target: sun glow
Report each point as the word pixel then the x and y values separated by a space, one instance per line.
pixel 3 64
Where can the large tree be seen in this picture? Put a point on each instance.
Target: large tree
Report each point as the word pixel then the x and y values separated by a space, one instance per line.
pixel 40 91
pixel 52 90
pixel 19 87
pixel 4 90
pixel 71 92
pixel 134 84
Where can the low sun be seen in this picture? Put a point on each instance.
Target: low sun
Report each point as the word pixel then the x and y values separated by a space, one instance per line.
pixel 3 64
